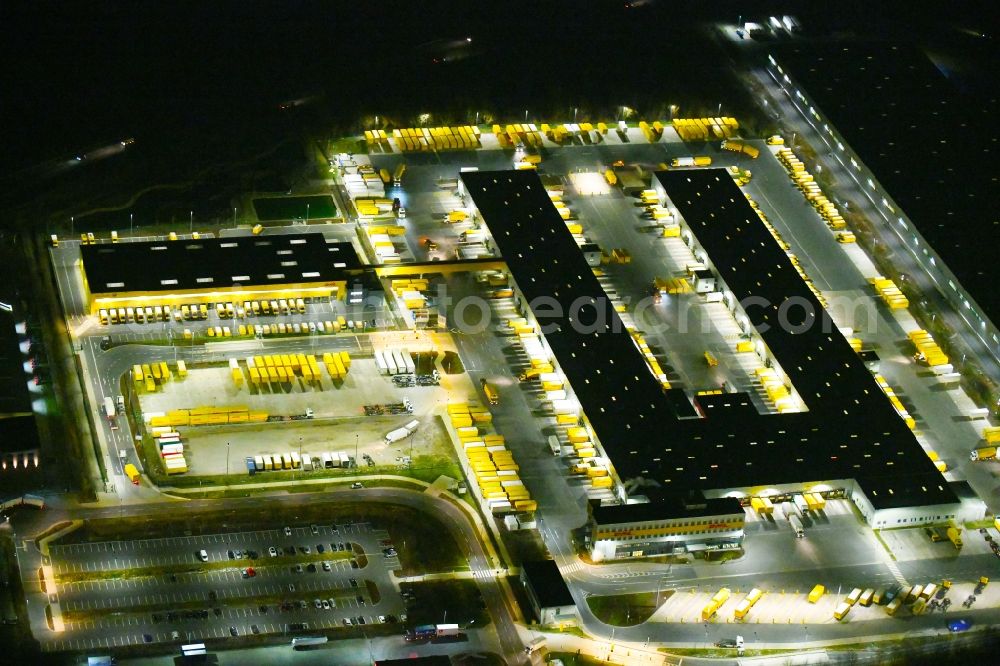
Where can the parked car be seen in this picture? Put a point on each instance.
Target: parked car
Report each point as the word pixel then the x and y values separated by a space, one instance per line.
pixel 272 551
pixel 961 624
pixel 288 531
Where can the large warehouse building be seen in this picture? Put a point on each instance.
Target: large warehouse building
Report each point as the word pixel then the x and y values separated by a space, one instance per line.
pixel 210 270
pixel 849 442
pixel 863 108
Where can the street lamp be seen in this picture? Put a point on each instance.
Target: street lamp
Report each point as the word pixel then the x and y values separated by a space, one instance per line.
pixel 575 109
pixel 307 213
pixel 234 217
pixel 130 224
pixel 191 228
pixel 227 462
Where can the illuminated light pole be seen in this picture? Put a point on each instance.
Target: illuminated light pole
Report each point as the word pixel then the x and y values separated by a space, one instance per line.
pixel 191 227
pixel 234 217
pixel 130 224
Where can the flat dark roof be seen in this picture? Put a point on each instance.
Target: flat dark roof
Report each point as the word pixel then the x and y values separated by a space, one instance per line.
pixel 633 418
pixel 18 433
pixel 931 145
pixel 214 263
pixel 432 660
pixel 548 584
pixel 14 396
pixel 672 509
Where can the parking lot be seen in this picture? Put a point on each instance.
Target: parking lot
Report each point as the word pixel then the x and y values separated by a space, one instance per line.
pixel 214 597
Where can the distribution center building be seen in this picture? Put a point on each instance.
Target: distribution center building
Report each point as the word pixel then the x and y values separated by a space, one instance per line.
pixel 210 270
pixel 847 440
pixel 872 127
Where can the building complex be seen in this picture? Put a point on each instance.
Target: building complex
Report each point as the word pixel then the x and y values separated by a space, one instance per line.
pixel 680 474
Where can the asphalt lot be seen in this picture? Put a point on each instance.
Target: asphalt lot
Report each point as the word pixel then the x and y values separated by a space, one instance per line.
pixel 238 598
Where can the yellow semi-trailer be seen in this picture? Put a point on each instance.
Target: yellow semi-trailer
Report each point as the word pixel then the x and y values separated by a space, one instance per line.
pixel 747 603
pixel 132 473
pixel 817 592
pixel 843 608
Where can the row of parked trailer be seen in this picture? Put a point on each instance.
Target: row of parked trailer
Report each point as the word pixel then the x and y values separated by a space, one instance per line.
pixel 720 598
pixel 136 315
pixel 292 460
pixel 152 375
pixel 918 597
pixel 787 249
pixel 807 184
pixel 492 464
pixel 168 442
pixel 803 502
pixel 148 314
pixel 395 362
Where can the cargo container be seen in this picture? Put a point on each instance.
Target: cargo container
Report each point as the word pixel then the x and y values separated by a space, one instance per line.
pixel 747 603
pixel 866 597
pixel 984 453
pixel 913 594
pixel 816 593
pixel 853 597
pixel 893 606
pixel 843 608
pixel 132 473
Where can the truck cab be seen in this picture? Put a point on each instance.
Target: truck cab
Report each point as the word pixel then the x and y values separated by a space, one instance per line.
pixel 491 393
